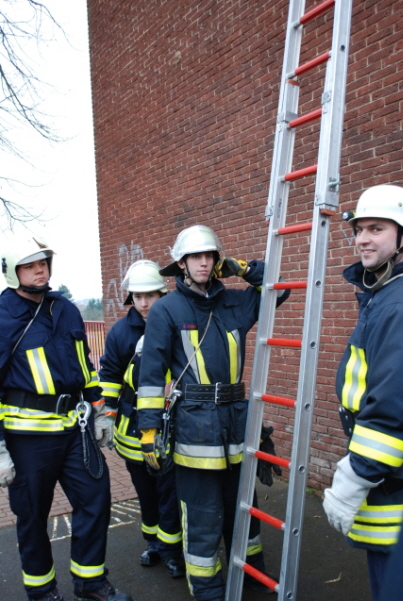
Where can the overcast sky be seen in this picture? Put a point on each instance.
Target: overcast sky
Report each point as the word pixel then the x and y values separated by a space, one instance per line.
pixel 62 185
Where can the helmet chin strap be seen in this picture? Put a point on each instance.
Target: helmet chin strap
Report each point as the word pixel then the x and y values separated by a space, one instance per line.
pixel 36 289
pixel 187 276
pixel 389 263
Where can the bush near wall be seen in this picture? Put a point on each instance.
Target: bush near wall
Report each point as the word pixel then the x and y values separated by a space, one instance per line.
pixel 185 98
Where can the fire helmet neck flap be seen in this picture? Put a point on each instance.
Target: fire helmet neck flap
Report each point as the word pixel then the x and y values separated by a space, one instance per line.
pixel 21 252
pixel 194 239
pixel 384 201
pixel 143 276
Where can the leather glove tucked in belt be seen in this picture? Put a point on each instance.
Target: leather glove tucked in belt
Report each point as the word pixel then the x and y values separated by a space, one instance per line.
pixel 149 447
pixel 265 468
pixel 346 496
pixel 228 266
pixel 104 421
pixel 7 471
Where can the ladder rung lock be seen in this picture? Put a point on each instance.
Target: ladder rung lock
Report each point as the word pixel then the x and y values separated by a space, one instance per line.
pixel 284 342
pixel 278 400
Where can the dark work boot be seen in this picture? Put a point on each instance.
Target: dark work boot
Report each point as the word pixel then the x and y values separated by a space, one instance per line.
pixel 105 592
pixel 150 557
pixel 52 595
pixel 175 567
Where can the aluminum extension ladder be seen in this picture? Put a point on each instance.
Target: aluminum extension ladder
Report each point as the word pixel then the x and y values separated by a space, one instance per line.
pixel 325 204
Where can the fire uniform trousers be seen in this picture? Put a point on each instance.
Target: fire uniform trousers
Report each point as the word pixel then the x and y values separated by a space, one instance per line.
pixel 51 359
pixel 118 378
pixel 369 387
pixel 208 436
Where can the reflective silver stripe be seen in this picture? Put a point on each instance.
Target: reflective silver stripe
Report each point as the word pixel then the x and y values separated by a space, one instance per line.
pixel 378 446
pixel 254 541
pixel 151 391
pixel 201 562
pixel 384 514
pixel 235 449
pixel 199 450
pixel 378 534
pixel 109 389
pixel 189 350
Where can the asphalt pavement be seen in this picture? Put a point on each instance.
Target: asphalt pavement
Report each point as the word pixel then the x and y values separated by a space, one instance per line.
pixel 330 570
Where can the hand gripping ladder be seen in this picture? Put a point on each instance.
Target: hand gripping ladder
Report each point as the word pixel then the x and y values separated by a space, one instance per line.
pixel 325 204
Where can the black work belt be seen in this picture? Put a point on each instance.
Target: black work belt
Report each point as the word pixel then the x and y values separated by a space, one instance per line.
pixel 219 393
pixel 52 403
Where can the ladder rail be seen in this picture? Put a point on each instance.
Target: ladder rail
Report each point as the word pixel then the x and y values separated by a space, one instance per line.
pixel 325 203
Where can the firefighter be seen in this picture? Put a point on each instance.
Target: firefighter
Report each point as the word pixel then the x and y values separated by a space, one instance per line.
pixel 365 501
pixel 199 332
pixel 120 366
pixel 47 385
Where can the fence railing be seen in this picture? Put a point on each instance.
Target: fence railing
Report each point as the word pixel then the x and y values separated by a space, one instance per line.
pixel 96 340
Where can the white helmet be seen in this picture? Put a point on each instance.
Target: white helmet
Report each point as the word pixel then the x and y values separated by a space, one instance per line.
pixel 195 239
pixel 384 201
pixel 143 276
pixel 21 252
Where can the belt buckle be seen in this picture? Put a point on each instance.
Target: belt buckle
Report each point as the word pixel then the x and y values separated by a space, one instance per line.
pixel 62 404
pixel 216 392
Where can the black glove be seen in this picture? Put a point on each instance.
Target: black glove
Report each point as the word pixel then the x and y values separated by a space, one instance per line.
pixel 264 468
pixel 228 266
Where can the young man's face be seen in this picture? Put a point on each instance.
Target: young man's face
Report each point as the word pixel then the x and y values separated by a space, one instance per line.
pixel 199 266
pixel 375 240
pixel 34 274
pixel 143 301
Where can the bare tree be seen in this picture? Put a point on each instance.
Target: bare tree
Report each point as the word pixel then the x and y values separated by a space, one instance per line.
pixel 21 21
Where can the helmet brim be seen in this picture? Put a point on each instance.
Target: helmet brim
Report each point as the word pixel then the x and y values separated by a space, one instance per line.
pixel 172 269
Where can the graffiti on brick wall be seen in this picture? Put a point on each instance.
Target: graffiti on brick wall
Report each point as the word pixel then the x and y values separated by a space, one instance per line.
pixel 350 239
pixel 115 294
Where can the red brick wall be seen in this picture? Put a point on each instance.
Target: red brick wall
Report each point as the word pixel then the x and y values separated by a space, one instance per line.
pixel 185 100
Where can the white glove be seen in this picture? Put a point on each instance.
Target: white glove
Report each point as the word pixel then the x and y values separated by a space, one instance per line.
pixel 7 471
pixel 346 496
pixel 139 346
pixel 104 421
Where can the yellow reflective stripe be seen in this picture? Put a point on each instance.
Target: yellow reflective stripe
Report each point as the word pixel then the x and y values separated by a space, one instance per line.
pixel 203 572
pixel 149 529
pixel 254 549
pixel 129 454
pixel 378 514
pixel 110 389
pixel 170 539
pixel 201 366
pixel 376 535
pixel 40 371
pixel 354 379
pixel 236 458
pixel 86 571
pixel 128 376
pixel 18 419
pixel 203 463
pixel 168 377
pixel 233 357
pixel 94 380
pixel 204 567
pixel 82 361
pixel 376 445
pixel 30 580
pixel 151 403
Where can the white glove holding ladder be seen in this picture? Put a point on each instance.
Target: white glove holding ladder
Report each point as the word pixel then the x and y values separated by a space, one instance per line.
pixel 348 492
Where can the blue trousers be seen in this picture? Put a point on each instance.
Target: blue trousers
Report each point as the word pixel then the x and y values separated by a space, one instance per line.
pixel 208 504
pixel 159 508
pixel 42 460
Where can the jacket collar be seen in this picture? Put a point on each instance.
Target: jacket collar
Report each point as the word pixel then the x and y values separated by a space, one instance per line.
pixel 355 272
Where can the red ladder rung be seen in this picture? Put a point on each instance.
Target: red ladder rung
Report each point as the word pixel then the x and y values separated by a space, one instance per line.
pixel 278 400
pixel 317 10
pixel 260 576
pixel 292 229
pixel 265 517
pixel 318 60
pixel 289 285
pixel 300 173
pixel 305 118
pixel 273 459
pixel 284 342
